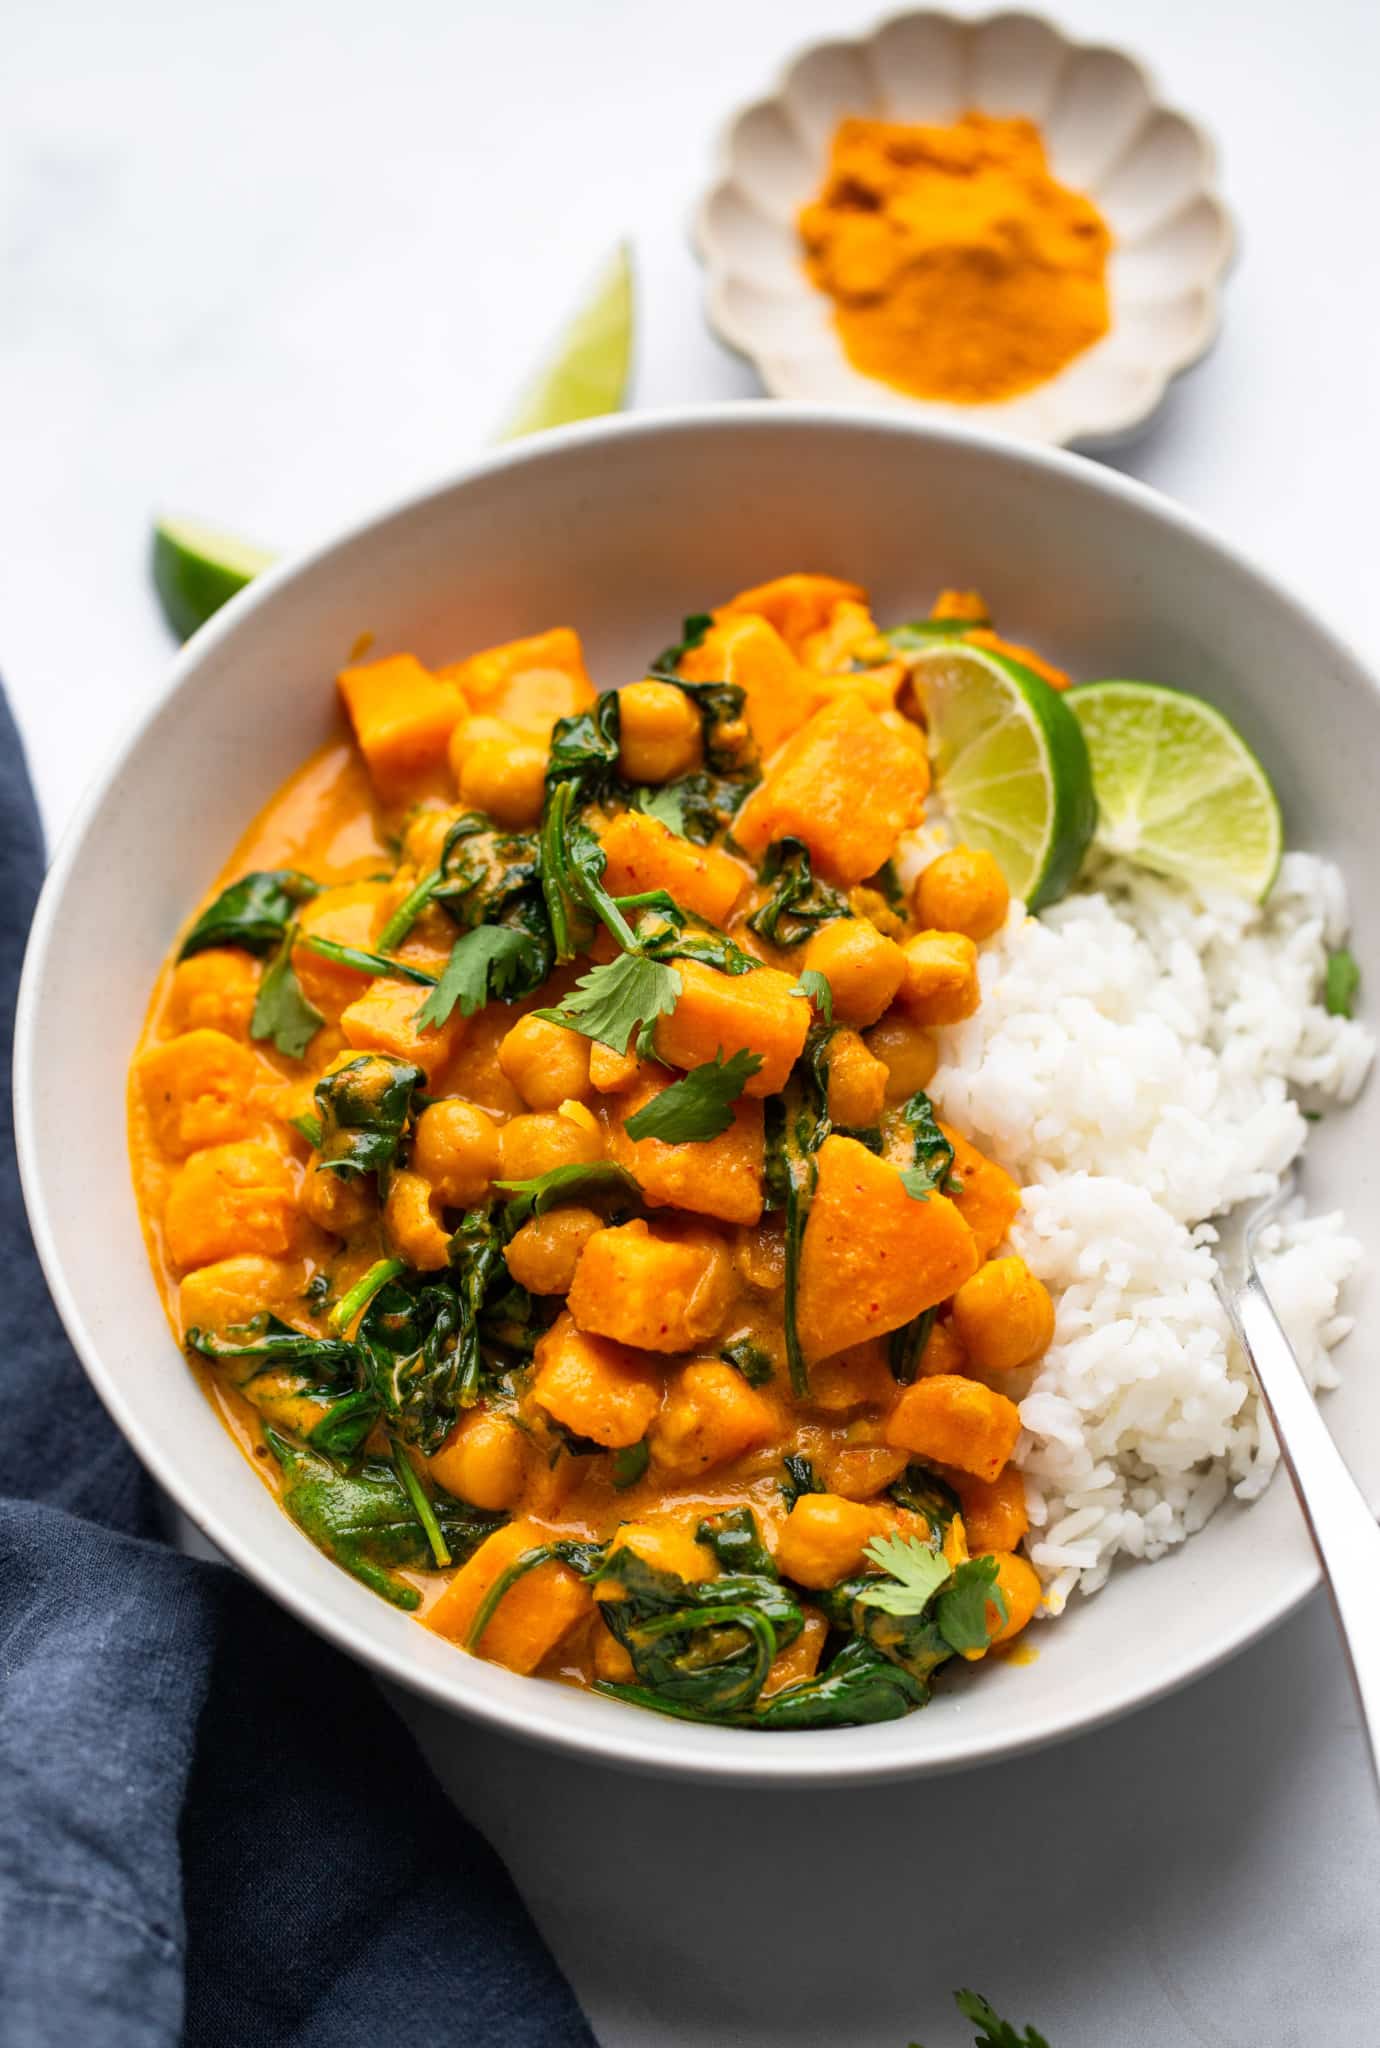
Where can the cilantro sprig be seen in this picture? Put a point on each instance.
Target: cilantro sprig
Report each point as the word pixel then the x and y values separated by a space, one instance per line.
pixel 492 960
pixel 618 1004
pixel 282 1013
pixel 699 1107
pixel 996 2032
pixel 918 1573
pixel 915 1572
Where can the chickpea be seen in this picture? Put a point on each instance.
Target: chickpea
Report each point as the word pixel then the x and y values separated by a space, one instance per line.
pixel 470 733
pixel 411 1224
pixel 825 1538
pixel 483 1460
pixel 425 834
pixel 336 1201
pixel 455 1147
pixel 506 778
pixel 529 1145
pixel 215 990
pixel 858 1472
pixel 941 984
pixel 857 1083
pixel 544 1253
pixel 659 730
pixel 863 969
pixel 611 1072
pixel 1004 1316
pixel 963 891
pixel 908 1053
pixel 547 1064
pixel 1020 1588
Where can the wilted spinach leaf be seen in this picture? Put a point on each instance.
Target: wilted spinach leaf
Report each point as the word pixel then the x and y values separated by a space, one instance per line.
pixel 364 1107
pixel 798 904
pixel 253 912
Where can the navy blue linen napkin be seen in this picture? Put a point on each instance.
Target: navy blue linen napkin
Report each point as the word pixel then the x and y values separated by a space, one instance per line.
pixel 213 1829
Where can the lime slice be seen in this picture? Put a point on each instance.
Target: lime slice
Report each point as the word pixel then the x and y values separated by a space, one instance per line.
pixel 588 373
pixel 196 570
pixel 1010 765
pixel 1178 789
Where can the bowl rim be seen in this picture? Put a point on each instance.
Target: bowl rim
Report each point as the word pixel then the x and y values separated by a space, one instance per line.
pixel 649 1743
pixel 708 245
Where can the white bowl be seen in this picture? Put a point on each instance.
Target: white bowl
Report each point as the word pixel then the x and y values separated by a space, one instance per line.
pixel 1149 170
pixel 620 527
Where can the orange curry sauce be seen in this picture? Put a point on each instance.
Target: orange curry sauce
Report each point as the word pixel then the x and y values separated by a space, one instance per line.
pixel 648 1316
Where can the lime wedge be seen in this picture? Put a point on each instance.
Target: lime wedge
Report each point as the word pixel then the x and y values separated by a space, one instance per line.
pixel 196 570
pixel 1178 789
pixel 588 373
pixel 1010 765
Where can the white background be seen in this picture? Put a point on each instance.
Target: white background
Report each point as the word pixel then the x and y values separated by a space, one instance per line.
pixel 273 262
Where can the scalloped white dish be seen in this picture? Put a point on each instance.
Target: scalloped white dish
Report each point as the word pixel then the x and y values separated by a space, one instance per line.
pixel 1149 169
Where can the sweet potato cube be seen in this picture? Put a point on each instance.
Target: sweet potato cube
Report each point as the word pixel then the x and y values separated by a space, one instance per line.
pixel 873 1256
pixel 955 1421
pixel 709 1417
pixel 384 1019
pixel 847 784
pixel 534 1614
pixel 796 605
pixel 726 1013
pixel 196 1088
pixel 994 1510
pixel 230 1199
pixel 594 1388
pixel 657 1293
pixel 716 1177
pixel 641 853
pixel 487 677
pixel 778 694
pixel 402 716
pixel 987 1204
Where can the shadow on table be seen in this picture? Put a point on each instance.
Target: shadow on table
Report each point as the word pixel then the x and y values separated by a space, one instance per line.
pixel 1202 1872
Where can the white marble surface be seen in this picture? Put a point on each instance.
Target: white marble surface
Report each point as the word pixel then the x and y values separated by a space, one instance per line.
pixel 273 263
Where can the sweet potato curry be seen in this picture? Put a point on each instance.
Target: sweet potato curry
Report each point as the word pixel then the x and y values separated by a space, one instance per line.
pixel 532 1141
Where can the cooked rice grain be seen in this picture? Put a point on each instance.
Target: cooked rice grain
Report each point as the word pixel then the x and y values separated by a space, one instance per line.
pixel 1135 1063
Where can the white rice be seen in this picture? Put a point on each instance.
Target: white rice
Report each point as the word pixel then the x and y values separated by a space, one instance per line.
pixel 1134 1063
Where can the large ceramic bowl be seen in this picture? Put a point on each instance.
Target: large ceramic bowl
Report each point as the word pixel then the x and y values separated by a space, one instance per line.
pixel 619 528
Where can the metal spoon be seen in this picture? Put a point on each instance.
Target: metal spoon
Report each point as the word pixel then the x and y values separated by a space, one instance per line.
pixel 1344 1530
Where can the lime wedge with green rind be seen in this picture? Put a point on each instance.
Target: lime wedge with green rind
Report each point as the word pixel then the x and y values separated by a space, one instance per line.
pixel 1010 765
pixel 1178 789
pixel 588 374
pixel 196 570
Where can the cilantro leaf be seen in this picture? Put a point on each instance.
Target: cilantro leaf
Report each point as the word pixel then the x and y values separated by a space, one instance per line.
pixel 1343 980
pixel 997 2032
pixel 816 986
pixel 917 1571
pixel 485 962
pixel 700 1107
pixel 961 1613
pixel 666 805
pixel 619 1004
pixel 281 1011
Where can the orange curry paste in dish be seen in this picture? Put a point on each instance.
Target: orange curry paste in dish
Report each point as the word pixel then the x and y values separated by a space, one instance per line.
pixel 533 1149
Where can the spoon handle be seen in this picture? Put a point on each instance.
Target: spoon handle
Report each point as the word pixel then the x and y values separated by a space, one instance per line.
pixel 1343 1529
